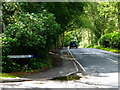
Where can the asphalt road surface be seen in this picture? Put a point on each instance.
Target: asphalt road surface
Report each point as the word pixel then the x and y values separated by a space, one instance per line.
pixel 100 65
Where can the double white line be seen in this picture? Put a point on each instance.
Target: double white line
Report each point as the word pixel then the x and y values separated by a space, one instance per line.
pixel 78 66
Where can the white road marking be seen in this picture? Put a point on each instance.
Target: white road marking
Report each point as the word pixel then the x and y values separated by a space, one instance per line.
pixel 112 60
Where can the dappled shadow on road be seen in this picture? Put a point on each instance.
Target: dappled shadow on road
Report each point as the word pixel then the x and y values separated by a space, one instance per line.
pixel 101 66
pixel 60 89
pixel 26 89
pixel 102 69
pixel 105 75
pixel 38 89
pixel 96 61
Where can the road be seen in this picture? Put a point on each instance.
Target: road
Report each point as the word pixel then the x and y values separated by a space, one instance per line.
pixel 101 66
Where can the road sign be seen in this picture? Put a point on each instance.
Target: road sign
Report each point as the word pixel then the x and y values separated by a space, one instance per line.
pixel 20 56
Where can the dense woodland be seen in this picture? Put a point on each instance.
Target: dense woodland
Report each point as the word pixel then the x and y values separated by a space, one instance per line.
pixel 35 28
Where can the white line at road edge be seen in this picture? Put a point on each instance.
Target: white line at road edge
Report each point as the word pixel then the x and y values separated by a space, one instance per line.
pixel 83 70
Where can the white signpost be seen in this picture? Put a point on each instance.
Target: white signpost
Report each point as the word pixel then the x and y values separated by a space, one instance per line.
pixel 20 56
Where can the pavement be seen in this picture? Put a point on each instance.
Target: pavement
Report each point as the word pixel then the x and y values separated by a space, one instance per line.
pixel 63 66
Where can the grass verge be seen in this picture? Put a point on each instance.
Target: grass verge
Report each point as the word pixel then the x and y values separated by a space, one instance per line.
pixel 20 74
pixel 107 49
pixel 104 48
pixel 5 75
pixel 67 78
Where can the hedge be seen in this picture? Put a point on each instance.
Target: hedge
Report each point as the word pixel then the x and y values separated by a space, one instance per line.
pixel 111 40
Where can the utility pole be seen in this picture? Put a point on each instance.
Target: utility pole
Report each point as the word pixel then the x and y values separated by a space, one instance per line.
pixel 2 25
pixel 0 17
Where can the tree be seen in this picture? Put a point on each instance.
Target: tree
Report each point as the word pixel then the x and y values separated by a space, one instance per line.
pixel 98 19
pixel 28 33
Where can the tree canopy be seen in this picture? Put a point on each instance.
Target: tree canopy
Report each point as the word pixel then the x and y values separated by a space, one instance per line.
pixel 34 28
pixel 38 27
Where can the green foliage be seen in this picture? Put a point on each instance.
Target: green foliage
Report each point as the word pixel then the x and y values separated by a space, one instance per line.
pixel 29 34
pixel 33 27
pixel 104 48
pixel 19 39
pixel 110 40
pixel 90 46
pixel 107 49
pixel 67 78
pixel 5 75
pixel 99 18
pixel 72 36
pixel 9 10
pixel 9 65
pixel 65 12
pixel 36 63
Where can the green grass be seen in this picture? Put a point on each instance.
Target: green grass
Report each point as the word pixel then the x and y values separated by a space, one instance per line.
pixel 5 75
pixel 107 49
pixel 67 78
pixel 103 48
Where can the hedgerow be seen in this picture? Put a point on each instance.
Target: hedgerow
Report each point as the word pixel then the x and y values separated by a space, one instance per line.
pixel 111 40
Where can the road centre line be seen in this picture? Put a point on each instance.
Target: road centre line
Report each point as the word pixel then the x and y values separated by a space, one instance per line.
pixel 94 54
pixel 112 60
pixel 87 53
pixel 97 54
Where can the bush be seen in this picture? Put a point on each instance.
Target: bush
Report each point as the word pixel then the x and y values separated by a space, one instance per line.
pixel 29 35
pixel 37 63
pixel 111 40
pixel 90 46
